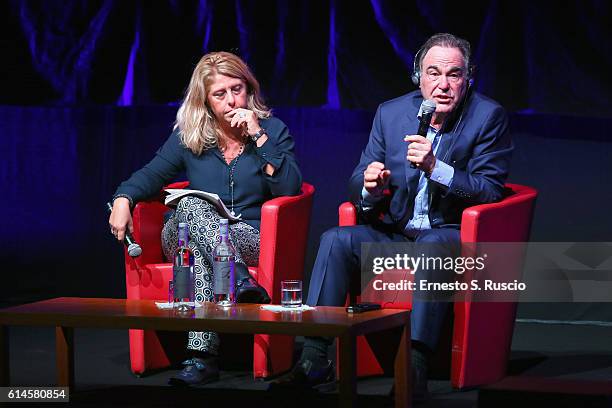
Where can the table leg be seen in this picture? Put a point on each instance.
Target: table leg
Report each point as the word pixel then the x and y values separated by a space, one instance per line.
pixel 402 374
pixel 5 376
pixel 348 370
pixel 64 356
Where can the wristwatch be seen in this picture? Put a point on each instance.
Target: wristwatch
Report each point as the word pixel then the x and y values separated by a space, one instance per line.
pixel 257 135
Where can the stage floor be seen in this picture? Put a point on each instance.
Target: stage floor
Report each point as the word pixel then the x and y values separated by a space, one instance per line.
pixel 558 351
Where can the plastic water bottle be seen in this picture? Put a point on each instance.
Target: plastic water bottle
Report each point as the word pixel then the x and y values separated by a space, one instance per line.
pixel 182 273
pixel 224 261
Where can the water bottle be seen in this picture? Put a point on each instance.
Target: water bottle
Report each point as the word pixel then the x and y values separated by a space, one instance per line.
pixel 182 273
pixel 224 261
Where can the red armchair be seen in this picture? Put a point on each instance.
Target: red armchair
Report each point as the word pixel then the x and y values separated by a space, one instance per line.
pixel 481 332
pixel 284 230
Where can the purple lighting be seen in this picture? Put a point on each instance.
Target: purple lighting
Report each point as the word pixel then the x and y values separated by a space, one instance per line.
pixel 279 61
pixel 243 32
pixel 63 52
pixel 393 34
pixel 127 93
pixel 333 98
pixel 205 12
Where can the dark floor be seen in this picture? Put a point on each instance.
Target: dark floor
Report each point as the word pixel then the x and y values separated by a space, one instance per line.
pixel 561 352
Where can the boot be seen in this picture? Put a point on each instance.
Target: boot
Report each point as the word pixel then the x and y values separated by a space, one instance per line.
pixel 247 289
pixel 306 374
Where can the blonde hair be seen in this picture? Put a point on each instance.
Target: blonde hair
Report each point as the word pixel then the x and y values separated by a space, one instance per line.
pixel 199 129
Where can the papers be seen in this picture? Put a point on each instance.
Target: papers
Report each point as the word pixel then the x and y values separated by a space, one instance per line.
pixel 175 195
pixel 168 305
pixel 279 308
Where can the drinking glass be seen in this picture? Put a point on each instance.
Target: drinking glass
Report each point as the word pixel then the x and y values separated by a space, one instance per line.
pixel 291 293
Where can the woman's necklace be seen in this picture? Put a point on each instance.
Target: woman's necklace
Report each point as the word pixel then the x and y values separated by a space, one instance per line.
pixel 233 162
pixel 230 158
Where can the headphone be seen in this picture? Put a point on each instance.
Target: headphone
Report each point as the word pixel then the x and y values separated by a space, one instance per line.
pixel 416 69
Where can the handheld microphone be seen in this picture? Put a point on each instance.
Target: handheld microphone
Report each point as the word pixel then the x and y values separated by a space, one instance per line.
pixel 134 250
pixel 428 107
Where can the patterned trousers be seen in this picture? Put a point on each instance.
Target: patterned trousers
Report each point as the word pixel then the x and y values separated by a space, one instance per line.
pixel 203 220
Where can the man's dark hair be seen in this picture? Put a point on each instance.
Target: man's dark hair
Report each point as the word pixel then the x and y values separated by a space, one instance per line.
pixel 448 41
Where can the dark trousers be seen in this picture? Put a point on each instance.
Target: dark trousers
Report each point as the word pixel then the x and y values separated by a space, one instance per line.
pixel 338 261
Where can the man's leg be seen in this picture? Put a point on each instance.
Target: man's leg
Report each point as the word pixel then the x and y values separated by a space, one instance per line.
pixel 428 313
pixel 428 310
pixel 336 268
pixel 338 261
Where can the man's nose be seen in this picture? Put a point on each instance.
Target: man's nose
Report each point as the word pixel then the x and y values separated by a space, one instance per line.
pixel 443 83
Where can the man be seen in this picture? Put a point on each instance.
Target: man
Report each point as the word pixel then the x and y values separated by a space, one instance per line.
pixel 463 161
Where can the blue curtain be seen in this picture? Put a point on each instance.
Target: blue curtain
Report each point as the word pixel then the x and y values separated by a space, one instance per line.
pixel 535 56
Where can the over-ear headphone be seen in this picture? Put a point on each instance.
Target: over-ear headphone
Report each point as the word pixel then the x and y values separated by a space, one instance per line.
pixel 416 69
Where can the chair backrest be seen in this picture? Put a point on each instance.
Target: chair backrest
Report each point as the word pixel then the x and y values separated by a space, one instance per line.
pixel 482 332
pixel 283 237
pixel 508 220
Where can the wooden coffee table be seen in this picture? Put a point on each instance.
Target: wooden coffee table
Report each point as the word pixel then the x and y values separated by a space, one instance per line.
pixel 69 313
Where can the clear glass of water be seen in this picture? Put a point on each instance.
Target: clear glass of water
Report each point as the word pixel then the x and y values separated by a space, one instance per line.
pixel 291 293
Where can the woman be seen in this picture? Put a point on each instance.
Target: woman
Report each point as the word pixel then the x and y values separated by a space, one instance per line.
pixel 227 142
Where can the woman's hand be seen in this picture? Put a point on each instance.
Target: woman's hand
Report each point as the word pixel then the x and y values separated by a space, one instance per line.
pixel 247 119
pixel 249 122
pixel 120 218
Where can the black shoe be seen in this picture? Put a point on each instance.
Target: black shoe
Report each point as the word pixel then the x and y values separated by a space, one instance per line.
pixel 249 291
pixel 307 375
pixel 247 288
pixel 196 371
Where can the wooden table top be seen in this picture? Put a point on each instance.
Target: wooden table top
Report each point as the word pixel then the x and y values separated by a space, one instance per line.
pixel 242 318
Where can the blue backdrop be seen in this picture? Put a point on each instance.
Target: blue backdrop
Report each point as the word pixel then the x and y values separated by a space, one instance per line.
pixel 89 90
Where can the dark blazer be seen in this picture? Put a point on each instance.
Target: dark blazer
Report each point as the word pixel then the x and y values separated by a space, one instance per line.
pixel 475 142
pixel 210 172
